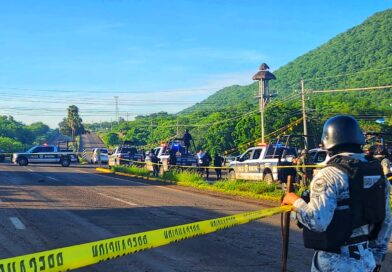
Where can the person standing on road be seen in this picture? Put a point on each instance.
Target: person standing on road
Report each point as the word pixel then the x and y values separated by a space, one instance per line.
pixel 302 171
pixel 206 161
pixel 383 156
pixel 172 158
pixel 347 219
pixel 187 138
pixel 218 162
pixel 154 160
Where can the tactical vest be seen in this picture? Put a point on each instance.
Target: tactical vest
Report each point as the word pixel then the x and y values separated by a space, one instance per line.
pixel 366 205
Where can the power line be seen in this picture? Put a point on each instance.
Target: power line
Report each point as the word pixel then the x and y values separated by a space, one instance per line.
pixel 109 91
pixel 349 74
pixel 351 89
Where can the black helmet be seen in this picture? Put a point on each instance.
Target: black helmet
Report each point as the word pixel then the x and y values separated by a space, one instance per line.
pixel 341 129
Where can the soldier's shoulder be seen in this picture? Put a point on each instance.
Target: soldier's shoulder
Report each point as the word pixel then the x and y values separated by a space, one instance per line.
pixel 330 176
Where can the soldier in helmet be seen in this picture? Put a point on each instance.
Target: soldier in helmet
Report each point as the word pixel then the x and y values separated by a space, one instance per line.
pixel 303 173
pixel 187 138
pixel 382 155
pixel 347 220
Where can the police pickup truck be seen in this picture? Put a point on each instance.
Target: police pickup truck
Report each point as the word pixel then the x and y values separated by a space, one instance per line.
pixel 261 163
pixel 126 154
pixel 44 154
pixel 176 146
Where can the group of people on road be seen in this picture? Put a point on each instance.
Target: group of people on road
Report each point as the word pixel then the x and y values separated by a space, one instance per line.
pixel 204 161
pixel 204 158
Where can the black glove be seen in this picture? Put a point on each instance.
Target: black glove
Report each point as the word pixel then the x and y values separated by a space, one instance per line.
pixel 377 268
pixel 306 197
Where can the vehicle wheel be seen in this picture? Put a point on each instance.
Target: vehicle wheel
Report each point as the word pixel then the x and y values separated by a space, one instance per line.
pixel 268 178
pixel 65 162
pixel 231 175
pixel 23 161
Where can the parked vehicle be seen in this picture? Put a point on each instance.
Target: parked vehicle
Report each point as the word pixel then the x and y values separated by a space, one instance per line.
pixel 178 148
pixel 259 163
pixel 2 156
pixel 43 154
pixel 126 154
pixel 318 156
pixel 103 154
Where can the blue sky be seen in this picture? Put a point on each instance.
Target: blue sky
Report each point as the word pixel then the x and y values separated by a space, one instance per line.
pixel 154 55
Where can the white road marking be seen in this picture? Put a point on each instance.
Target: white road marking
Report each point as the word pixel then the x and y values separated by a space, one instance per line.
pixel 29 169
pixel 131 181
pixel 118 199
pixel 52 178
pixel 17 223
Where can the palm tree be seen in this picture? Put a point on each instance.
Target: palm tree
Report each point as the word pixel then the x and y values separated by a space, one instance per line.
pixel 74 122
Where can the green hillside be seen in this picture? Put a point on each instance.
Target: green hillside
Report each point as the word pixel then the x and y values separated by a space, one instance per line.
pixel 360 57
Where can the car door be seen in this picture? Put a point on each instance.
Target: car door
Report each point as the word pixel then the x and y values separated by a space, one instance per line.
pixel 241 166
pixel 36 155
pixel 48 154
pixel 112 158
pixel 253 162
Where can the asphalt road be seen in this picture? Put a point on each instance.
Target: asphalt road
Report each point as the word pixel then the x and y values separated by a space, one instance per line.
pixel 45 207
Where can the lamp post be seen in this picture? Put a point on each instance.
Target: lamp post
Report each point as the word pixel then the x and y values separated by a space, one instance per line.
pixel 263 76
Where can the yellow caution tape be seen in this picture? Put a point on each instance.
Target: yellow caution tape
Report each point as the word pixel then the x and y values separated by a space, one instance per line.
pixel 225 167
pixel 77 256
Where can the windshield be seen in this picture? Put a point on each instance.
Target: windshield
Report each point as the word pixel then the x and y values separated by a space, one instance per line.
pixel 131 150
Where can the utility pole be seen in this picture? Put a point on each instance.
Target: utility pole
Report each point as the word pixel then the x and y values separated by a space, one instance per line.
pixel 262 107
pixel 151 138
pixel 178 129
pixel 304 118
pixel 263 76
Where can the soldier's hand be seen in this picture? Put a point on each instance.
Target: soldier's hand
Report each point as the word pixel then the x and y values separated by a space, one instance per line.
pixel 289 199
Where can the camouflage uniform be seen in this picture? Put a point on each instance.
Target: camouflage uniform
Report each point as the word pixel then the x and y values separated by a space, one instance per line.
pixel 329 186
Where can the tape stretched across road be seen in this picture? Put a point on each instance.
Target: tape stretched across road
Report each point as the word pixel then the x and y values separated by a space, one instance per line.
pixel 78 256
pixel 223 167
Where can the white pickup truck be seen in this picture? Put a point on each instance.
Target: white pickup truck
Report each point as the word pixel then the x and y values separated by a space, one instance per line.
pixel 259 163
pixel 44 154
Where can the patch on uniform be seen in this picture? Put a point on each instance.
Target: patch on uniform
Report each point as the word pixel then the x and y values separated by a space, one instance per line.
pixel 369 181
pixel 319 186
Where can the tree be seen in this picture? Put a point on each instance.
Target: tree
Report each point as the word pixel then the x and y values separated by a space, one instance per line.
pixel 72 125
pixel 10 145
pixel 111 139
pixel 39 128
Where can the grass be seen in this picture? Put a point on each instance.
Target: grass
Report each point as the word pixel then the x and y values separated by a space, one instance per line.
pixel 138 171
pixel 82 160
pixel 255 190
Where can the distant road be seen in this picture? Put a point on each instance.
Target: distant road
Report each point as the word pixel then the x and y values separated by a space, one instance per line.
pixel 44 207
pixel 88 142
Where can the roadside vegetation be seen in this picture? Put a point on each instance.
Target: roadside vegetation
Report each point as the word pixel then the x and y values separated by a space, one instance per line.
pixel 16 136
pixel 229 118
pixel 256 190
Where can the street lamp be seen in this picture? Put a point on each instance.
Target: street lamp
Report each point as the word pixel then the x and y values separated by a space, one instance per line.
pixel 263 76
